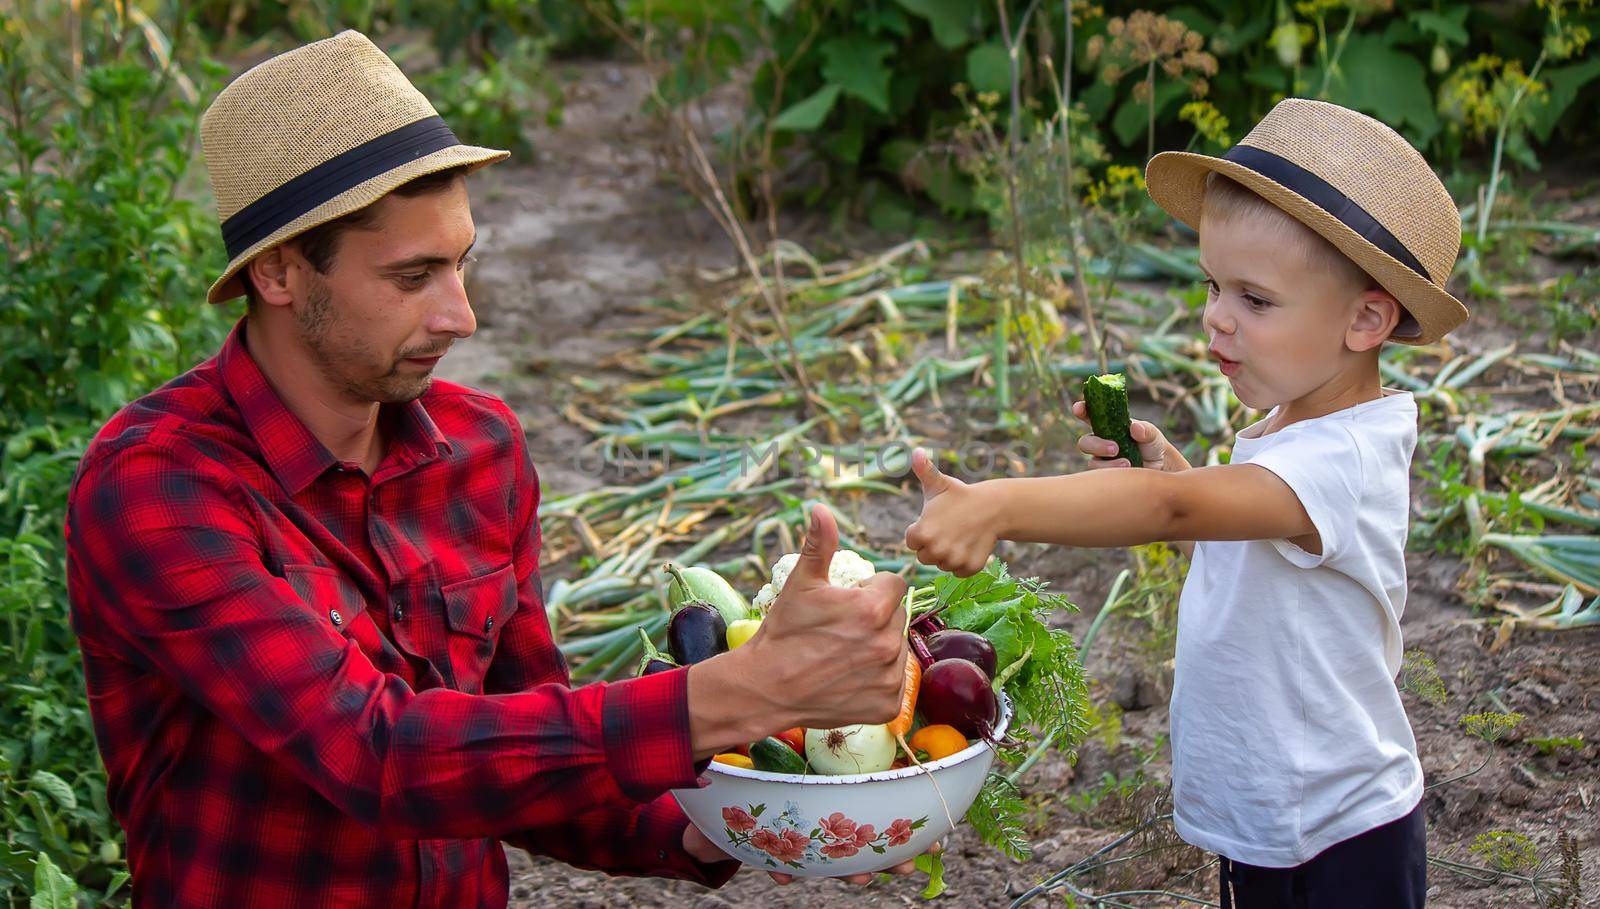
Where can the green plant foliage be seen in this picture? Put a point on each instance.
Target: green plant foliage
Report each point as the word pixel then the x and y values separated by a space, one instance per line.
pixel 1491 727
pixel 1550 744
pixel 867 90
pixel 109 257
pixel 491 101
pixel 1504 850
pixel 1420 676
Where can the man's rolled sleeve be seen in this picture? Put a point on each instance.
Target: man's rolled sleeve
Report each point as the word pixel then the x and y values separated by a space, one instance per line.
pixel 644 841
pixel 645 723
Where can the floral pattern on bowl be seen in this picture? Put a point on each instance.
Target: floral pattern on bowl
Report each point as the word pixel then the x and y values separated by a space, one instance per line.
pixel 783 841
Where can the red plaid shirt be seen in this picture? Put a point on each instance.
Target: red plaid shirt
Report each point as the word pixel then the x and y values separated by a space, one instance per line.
pixel 312 687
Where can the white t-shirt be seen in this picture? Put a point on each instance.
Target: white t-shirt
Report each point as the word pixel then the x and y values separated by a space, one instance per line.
pixel 1288 734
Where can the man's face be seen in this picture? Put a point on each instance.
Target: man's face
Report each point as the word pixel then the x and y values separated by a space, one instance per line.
pixel 1276 326
pixel 395 292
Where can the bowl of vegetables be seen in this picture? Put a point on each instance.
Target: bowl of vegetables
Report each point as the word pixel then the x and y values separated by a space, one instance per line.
pixel 835 802
pixel 813 823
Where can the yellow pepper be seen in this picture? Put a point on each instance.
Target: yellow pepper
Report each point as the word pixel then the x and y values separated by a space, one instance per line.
pixel 742 631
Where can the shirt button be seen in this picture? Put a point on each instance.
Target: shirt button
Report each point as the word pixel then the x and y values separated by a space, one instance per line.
pixel 399 613
pixel 488 624
pixel 661 854
pixel 337 618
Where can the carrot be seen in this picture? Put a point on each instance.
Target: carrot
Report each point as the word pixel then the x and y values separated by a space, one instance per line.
pixel 901 724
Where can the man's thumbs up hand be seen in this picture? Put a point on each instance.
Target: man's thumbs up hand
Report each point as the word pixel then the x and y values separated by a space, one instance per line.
pixel 816 553
pixel 831 656
pixel 955 532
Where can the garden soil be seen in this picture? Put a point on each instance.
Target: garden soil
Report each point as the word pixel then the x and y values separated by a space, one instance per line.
pixel 578 240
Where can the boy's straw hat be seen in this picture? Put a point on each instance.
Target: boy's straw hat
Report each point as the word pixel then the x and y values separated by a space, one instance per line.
pixel 314 134
pixel 1351 179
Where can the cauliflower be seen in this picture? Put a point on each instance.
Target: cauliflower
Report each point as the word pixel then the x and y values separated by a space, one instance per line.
pixel 846 569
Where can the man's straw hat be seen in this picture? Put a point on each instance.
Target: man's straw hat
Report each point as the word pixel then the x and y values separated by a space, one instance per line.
pixel 1351 179
pixel 315 134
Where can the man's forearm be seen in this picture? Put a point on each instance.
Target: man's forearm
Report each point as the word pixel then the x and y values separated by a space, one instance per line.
pixel 727 707
pixel 1098 508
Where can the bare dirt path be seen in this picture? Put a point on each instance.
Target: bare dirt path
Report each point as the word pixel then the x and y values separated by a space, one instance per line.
pixel 575 243
pixel 571 246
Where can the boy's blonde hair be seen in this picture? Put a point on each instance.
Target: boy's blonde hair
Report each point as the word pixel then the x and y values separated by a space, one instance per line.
pixel 1226 199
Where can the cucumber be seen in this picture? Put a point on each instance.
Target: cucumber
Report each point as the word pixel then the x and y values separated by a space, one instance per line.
pixel 773 756
pixel 698 583
pixel 1106 398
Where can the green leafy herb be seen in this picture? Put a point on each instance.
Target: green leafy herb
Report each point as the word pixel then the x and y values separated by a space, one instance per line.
pixel 1039 671
pixel 1048 690
pixel 997 818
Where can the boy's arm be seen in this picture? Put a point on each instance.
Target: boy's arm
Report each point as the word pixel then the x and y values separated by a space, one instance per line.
pixel 961 522
pixel 1154 449
pixel 1129 507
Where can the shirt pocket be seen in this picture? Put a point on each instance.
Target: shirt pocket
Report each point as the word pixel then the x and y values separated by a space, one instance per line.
pixel 476 609
pixel 332 597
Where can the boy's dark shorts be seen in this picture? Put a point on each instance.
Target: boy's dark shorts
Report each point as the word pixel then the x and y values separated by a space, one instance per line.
pixel 1384 868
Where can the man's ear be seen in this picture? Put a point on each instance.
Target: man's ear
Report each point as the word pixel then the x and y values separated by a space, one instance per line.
pixel 1377 313
pixel 271 275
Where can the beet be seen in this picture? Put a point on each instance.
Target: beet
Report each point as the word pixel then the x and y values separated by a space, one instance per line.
pixel 696 632
pixel 919 646
pixel 963 645
pixel 958 693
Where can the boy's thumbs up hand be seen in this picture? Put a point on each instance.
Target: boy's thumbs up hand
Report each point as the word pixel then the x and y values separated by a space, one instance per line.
pixel 933 480
pixel 956 530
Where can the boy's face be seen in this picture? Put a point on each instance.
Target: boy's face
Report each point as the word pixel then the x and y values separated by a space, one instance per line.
pixel 1277 327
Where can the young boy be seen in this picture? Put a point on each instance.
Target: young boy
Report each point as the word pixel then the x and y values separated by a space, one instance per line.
pixel 1322 235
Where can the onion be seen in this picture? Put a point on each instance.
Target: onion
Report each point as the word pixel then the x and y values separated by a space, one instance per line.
pixel 850 749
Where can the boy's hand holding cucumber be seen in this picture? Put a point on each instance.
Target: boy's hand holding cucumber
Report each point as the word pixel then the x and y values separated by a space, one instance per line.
pixel 1105 409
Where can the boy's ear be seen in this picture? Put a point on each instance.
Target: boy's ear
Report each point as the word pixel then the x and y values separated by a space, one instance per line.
pixel 1377 313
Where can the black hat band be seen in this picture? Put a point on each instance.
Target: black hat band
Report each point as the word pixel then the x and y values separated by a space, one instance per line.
pixel 1323 195
pixel 261 218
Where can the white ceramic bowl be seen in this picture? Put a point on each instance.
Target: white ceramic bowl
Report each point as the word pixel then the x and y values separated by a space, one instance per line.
pixel 828 826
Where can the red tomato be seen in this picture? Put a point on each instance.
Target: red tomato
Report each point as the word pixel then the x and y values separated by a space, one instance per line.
pixel 795 738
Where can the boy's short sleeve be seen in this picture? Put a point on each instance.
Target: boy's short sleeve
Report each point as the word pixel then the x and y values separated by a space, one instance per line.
pixel 1324 467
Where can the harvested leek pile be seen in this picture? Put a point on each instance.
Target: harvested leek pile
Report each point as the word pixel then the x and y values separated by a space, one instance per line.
pixel 743 416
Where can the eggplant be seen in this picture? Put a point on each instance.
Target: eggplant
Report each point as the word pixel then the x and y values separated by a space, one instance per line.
pixel 956 692
pixel 696 632
pixel 654 660
pixel 963 645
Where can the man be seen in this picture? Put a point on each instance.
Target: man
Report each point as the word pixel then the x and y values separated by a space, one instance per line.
pixel 305 576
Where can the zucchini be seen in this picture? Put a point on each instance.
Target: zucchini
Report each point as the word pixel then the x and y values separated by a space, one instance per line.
pixel 698 583
pixel 774 756
pixel 1106 398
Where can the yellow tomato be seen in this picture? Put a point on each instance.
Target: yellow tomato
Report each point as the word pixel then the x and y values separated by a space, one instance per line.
pixel 939 741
